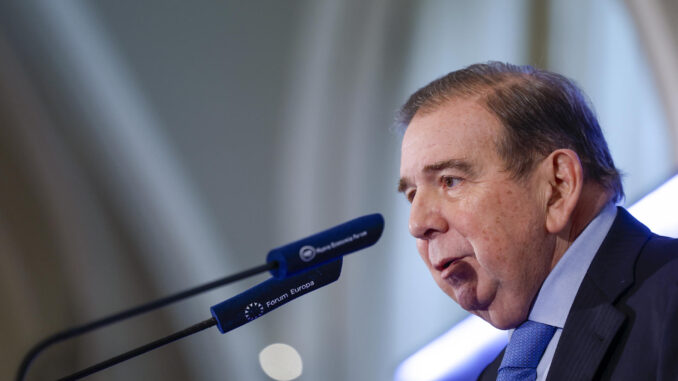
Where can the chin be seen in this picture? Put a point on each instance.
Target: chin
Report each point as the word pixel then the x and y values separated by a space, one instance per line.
pixel 501 320
pixel 504 324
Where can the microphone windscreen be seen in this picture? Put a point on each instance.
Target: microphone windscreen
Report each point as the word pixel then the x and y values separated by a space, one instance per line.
pixel 272 294
pixel 327 245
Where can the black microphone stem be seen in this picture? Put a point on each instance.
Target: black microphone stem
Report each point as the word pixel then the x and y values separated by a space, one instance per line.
pixel 81 329
pixel 140 350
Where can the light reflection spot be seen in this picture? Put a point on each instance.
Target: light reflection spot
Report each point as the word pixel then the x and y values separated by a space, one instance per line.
pixel 281 362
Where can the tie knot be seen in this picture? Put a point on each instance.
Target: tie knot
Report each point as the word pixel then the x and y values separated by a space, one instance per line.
pixel 527 346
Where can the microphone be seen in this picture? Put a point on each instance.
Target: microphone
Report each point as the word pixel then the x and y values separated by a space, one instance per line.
pixel 326 246
pixel 237 310
pixel 297 268
pixel 271 294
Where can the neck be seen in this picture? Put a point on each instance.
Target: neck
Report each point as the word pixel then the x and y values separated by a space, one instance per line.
pixel 593 199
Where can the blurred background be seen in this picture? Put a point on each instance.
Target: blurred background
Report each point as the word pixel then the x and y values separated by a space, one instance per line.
pixel 150 146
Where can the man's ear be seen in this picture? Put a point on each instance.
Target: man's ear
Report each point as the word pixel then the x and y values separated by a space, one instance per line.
pixel 566 179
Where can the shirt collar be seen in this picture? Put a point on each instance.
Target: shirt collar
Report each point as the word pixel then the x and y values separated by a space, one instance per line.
pixel 557 294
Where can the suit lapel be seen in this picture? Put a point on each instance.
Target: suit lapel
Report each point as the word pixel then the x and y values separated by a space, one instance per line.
pixel 593 321
pixel 586 337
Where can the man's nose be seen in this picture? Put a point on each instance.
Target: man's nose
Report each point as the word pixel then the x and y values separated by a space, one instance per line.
pixel 426 219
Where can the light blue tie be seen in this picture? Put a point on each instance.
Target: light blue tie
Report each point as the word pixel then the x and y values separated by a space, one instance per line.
pixel 524 351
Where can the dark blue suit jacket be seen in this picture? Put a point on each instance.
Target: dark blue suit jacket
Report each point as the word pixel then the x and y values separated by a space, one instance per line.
pixel 623 324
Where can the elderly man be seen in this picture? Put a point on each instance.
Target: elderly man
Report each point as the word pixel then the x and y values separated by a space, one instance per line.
pixel 513 191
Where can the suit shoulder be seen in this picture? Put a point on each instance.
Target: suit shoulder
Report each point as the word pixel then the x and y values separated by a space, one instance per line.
pixel 658 243
pixel 655 280
pixel 658 259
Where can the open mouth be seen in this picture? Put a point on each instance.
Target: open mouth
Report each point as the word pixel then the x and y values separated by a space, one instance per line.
pixel 447 265
pixel 453 268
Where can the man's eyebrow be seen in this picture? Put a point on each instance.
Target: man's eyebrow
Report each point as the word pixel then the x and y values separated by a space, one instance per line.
pixel 461 165
pixel 458 164
pixel 403 184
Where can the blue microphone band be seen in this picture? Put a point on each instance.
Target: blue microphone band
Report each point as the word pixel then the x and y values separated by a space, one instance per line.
pixel 272 294
pixel 326 246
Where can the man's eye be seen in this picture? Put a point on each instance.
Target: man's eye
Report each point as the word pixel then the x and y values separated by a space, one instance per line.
pixel 450 181
pixel 410 196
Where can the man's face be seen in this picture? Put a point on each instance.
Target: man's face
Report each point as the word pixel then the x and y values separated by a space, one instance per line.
pixel 481 233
